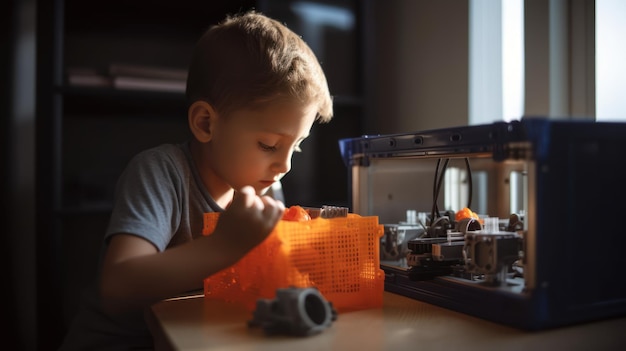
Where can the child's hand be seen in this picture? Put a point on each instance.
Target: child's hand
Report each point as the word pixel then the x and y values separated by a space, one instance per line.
pixel 250 218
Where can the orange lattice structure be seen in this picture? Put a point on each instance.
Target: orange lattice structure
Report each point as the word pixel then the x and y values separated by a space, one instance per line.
pixel 339 256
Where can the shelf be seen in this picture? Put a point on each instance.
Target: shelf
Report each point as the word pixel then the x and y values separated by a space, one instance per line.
pixel 121 93
pixel 185 16
pixel 110 101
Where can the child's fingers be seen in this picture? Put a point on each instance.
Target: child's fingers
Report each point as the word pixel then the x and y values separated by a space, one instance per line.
pixel 246 196
pixel 258 203
pixel 272 207
pixel 271 202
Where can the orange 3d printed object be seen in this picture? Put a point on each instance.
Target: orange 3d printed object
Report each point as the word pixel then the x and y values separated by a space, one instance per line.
pixel 338 256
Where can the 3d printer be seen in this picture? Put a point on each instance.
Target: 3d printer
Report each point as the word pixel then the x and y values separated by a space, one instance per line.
pixel 542 242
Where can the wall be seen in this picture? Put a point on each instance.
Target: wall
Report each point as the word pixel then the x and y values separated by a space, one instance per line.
pixel 416 67
pixel 417 52
pixel 560 58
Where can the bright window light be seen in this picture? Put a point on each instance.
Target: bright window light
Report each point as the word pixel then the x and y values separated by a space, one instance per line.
pixel 496 76
pixel 513 59
pixel 610 60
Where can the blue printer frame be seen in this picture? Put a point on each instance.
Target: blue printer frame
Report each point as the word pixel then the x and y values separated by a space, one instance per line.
pixel 573 241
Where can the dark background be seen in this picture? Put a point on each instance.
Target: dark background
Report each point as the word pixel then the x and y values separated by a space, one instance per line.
pixel 84 136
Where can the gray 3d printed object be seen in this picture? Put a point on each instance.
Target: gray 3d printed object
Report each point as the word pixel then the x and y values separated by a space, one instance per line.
pixel 294 311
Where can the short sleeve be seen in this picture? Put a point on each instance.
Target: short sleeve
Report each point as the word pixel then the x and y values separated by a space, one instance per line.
pixel 148 199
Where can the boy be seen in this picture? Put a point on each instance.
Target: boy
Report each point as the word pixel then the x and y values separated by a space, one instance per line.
pixel 255 89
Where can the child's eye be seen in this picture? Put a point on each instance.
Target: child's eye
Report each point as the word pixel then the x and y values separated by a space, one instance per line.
pixel 266 147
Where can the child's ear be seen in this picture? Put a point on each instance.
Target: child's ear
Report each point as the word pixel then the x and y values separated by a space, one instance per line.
pixel 202 118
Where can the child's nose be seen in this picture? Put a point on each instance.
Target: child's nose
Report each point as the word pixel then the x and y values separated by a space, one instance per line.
pixel 282 163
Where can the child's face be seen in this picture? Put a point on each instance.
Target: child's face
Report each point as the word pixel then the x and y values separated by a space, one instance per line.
pixel 254 147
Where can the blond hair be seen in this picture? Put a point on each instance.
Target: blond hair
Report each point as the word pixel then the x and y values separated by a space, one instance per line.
pixel 249 60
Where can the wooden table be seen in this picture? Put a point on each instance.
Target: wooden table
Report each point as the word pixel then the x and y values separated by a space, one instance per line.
pixel 196 323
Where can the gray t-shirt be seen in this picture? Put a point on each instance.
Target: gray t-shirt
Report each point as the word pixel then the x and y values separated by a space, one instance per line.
pixel 160 198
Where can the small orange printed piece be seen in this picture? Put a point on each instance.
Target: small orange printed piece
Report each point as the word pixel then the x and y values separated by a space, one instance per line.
pixel 465 213
pixel 296 213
